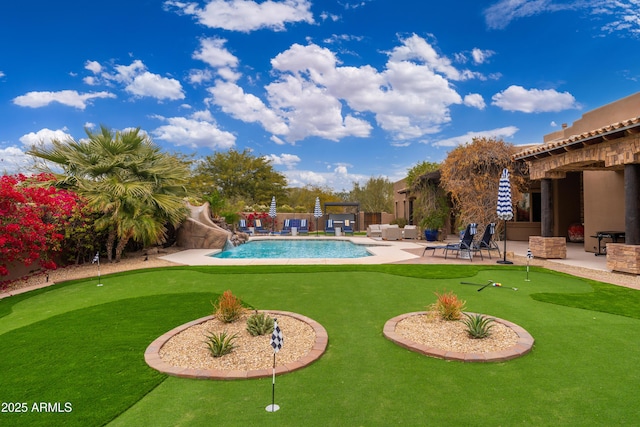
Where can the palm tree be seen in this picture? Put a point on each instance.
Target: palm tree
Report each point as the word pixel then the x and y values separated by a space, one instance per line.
pixel 124 176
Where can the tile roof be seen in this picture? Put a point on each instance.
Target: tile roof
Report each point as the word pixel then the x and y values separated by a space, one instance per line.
pixel 559 146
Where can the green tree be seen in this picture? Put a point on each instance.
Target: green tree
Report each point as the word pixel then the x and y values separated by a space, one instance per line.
pixel 376 195
pixel 136 188
pixel 303 199
pixel 240 176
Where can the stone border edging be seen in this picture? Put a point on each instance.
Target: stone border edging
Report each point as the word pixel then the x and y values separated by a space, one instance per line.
pixel 153 359
pixel 523 345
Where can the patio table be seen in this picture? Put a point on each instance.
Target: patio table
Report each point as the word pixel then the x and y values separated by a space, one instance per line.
pixel 613 235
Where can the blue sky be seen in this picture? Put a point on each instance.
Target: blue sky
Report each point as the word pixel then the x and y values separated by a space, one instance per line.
pixel 331 92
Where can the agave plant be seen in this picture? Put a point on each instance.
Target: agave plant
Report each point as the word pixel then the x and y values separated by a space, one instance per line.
pixel 478 325
pixel 220 344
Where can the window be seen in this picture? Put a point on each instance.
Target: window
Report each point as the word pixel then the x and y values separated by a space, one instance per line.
pixel 528 208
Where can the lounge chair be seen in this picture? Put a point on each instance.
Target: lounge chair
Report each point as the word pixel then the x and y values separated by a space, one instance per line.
pixel 304 227
pixel 286 227
pixel 410 232
pixel 242 226
pixel 347 228
pixel 329 228
pixel 487 243
pixel 259 228
pixel 466 243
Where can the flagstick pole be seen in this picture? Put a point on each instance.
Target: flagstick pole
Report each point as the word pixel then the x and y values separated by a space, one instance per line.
pixel 99 284
pixel 273 383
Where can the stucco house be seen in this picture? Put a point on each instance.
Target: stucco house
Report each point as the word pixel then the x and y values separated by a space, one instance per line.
pixel 587 173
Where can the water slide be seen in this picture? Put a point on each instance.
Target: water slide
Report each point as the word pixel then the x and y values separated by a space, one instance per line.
pixel 198 231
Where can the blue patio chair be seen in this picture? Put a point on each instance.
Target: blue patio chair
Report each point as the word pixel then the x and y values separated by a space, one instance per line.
pixel 487 243
pixel 347 227
pixel 286 227
pixel 329 228
pixel 466 243
pixel 242 226
pixel 259 228
pixel 304 227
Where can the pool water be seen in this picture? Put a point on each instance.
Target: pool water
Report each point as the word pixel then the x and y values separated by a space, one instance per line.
pixel 295 248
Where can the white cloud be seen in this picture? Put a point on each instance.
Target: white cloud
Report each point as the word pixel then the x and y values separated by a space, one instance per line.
pixel 70 98
pixel 501 14
pixel 246 15
pixel 13 160
pixel 155 86
pixel 213 53
pixel 200 76
pixel 93 66
pixel 246 107
pixel 337 178
pixel 314 95
pixel 475 100
pixel 2 74
pixel 500 133
pixel 481 56
pixel 193 133
pixel 44 136
pixel 137 80
pixel 517 98
pixel 621 16
pixel 287 160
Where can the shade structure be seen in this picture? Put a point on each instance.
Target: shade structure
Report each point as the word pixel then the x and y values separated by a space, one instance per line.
pixel 317 213
pixel 272 212
pixel 505 208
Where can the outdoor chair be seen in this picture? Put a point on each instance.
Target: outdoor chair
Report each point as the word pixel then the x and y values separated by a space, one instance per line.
pixel 304 227
pixel 347 228
pixel 374 230
pixel 410 232
pixel 259 228
pixel 487 243
pixel 286 227
pixel 242 226
pixel 391 232
pixel 329 228
pixel 466 243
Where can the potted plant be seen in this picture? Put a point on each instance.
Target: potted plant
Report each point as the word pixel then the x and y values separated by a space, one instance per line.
pixel 433 222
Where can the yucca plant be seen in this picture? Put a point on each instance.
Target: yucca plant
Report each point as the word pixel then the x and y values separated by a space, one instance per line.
pixel 228 307
pixel 259 324
pixel 448 306
pixel 220 344
pixel 478 325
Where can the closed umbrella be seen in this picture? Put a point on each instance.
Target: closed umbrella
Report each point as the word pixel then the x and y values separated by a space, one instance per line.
pixel 272 212
pixel 505 208
pixel 317 213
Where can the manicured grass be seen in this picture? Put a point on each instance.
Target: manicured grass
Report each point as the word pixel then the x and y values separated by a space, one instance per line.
pixel 84 344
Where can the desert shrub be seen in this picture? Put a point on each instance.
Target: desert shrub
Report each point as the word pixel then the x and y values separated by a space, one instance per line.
pixel 220 344
pixel 448 306
pixel 478 325
pixel 228 307
pixel 259 324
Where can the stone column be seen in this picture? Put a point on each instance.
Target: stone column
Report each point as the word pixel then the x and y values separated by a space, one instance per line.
pixel 546 214
pixel 632 204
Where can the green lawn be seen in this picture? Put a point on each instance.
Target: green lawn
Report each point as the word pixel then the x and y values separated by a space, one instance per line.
pixel 82 345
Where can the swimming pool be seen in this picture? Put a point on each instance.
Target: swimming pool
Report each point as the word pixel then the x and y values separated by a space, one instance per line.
pixel 296 248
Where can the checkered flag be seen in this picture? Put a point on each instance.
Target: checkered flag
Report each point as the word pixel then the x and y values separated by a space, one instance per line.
pixel 529 254
pixel 96 258
pixel 277 341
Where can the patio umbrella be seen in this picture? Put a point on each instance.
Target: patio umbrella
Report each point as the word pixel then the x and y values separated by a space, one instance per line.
pixel 272 212
pixel 505 208
pixel 317 213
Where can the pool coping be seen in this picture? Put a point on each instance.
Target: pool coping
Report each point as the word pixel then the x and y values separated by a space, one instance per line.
pixel 153 359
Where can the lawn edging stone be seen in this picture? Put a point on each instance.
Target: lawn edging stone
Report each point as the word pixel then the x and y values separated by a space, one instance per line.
pixel 523 345
pixel 153 359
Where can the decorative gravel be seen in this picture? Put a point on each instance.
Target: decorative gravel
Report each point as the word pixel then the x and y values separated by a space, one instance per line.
pixel 452 335
pixel 189 350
